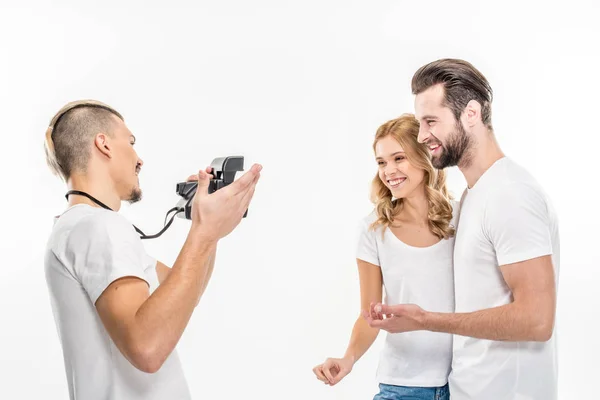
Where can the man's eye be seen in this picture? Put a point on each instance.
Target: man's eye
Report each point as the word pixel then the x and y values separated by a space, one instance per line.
pixel 430 122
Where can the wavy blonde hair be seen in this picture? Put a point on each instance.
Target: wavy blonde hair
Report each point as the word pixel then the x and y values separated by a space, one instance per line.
pixel 405 130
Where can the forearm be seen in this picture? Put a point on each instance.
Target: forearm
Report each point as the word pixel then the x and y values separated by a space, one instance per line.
pixel 510 322
pixel 162 318
pixel 211 266
pixel 363 336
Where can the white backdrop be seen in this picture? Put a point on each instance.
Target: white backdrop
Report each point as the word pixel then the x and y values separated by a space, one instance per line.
pixel 299 87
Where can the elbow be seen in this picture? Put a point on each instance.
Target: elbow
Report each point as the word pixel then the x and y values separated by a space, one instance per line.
pixel 543 329
pixel 147 359
pixel 543 334
pixel 149 365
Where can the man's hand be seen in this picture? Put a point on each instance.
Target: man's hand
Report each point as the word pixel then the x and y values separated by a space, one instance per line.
pixel 218 213
pixel 396 318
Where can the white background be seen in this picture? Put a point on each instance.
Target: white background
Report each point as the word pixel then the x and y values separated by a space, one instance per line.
pixel 299 87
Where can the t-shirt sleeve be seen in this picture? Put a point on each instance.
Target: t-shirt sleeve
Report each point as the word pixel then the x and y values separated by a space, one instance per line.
pixel 149 262
pixel 366 248
pixel 518 224
pixel 104 248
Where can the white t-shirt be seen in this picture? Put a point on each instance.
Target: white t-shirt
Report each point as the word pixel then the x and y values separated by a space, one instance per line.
pixel 418 275
pixel 89 248
pixel 505 218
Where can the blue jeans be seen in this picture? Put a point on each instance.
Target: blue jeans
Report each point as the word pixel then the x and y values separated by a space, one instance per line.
pixel 390 392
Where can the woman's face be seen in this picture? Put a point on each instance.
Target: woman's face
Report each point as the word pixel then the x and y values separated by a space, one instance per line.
pixel 395 171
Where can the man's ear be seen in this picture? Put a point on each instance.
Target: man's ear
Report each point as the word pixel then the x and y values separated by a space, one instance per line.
pixel 473 113
pixel 103 144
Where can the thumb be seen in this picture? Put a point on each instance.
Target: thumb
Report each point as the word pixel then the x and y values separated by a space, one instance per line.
pixel 384 309
pixel 203 182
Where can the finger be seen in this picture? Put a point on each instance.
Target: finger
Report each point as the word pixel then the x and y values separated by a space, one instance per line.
pixel 391 310
pixel 328 375
pixel 195 177
pixel 249 187
pixel 241 185
pixel 341 374
pixel 377 323
pixel 249 194
pixel 247 198
pixel 203 182
pixel 319 373
pixel 374 311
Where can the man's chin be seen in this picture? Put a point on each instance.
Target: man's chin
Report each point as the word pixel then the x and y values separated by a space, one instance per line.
pixel 135 196
pixel 441 162
pixel 438 160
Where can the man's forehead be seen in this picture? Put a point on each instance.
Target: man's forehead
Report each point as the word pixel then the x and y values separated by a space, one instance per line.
pixel 120 127
pixel 428 100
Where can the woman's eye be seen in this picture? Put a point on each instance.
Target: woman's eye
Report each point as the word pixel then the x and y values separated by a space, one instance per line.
pixel 399 158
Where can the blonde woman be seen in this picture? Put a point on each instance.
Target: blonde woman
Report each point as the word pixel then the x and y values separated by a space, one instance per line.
pixel 405 246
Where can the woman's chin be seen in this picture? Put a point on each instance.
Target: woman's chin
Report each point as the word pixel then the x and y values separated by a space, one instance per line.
pixel 398 193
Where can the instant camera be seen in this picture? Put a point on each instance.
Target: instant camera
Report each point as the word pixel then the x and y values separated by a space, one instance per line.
pixel 223 170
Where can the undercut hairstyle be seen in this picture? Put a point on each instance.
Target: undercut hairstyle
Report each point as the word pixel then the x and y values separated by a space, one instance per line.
pixel 71 133
pixel 462 83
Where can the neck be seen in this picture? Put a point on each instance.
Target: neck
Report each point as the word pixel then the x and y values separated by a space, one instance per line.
pixel 484 153
pixel 94 188
pixel 415 208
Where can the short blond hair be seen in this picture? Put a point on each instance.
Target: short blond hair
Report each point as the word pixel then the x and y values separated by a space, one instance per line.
pixel 70 132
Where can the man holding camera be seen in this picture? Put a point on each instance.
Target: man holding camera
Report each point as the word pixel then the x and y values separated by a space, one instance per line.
pixel 119 312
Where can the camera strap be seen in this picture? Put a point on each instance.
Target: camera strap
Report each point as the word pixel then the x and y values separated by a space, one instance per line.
pixel 142 234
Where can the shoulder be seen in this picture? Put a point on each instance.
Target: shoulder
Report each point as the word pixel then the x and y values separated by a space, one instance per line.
pixel 517 192
pixel 513 185
pixel 365 223
pixel 369 218
pixel 513 174
pixel 102 224
pixel 517 202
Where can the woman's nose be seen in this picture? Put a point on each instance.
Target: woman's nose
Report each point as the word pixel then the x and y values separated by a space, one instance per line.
pixel 390 169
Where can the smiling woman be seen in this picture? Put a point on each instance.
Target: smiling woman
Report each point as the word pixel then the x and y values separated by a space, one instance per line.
pixel 406 171
pixel 406 246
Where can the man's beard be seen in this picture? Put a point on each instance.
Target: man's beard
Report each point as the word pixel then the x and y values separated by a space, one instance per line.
pixel 457 150
pixel 135 195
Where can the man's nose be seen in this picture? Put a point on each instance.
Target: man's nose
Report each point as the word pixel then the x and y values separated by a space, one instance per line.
pixel 423 134
pixel 140 162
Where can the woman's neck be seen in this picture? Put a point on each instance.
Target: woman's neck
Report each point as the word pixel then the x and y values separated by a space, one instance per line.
pixel 415 207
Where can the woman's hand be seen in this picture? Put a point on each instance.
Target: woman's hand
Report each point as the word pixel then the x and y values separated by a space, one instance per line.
pixel 333 370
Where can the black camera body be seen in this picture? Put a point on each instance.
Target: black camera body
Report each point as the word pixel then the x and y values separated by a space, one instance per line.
pixel 223 170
